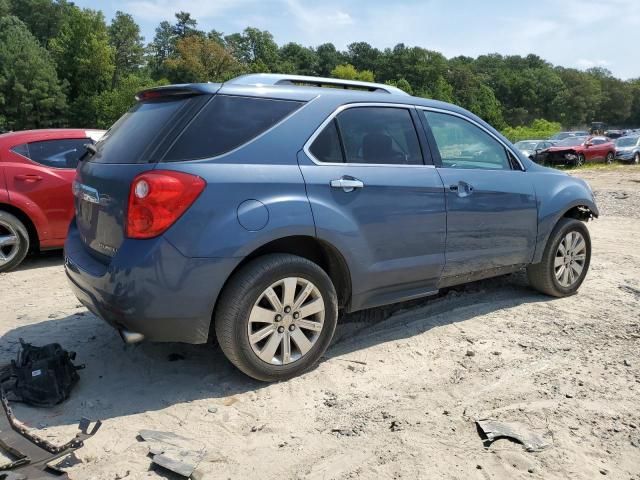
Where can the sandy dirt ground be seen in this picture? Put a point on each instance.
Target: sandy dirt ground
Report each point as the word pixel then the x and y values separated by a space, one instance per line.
pixel 395 396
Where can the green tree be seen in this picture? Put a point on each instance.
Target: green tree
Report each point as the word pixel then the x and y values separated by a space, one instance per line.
pixel 44 18
pixel 294 58
pixel 161 48
pixel 31 95
pixel 125 39
pixel 200 59
pixel 328 58
pixel 348 72
pixel 185 25
pixel 254 48
pixel 110 105
pixel 84 59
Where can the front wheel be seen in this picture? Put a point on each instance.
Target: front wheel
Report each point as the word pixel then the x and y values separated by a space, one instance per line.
pixel 14 242
pixel 276 317
pixel 636 159
pixel 565 261
pixel 580 160
pixel 609 159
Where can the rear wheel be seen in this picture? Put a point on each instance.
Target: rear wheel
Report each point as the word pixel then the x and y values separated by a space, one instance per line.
pixel 565 261
pixel 609 159
pixel 276 317
pixel 580 160
pixel 14 241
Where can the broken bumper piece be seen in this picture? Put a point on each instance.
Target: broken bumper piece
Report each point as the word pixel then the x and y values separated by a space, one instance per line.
pixel 30 455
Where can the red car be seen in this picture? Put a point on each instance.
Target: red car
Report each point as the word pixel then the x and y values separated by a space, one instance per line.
pixel 37 168
pixel 578 150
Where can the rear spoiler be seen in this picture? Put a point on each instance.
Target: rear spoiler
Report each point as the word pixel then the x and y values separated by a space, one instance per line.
pixel 187 89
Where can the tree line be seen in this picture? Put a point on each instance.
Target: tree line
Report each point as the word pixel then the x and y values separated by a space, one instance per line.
pixel 61 65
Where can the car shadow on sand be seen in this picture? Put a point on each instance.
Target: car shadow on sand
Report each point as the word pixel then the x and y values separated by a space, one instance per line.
pixel 121 380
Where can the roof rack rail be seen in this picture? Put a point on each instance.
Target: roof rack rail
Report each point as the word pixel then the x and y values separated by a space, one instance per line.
pixel 259 79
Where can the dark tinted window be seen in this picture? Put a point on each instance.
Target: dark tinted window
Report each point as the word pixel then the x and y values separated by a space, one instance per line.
pixel 62 153
pixel 463 145
pixel 326 146
pixel 379 135
pixel 21 150
pixel 137 133
pixel 228 122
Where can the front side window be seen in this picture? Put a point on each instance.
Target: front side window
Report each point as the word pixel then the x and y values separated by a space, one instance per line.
pixel 463 145
pixel 63 153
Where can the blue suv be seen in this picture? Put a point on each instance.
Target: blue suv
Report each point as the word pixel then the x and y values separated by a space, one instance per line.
pixel 257 209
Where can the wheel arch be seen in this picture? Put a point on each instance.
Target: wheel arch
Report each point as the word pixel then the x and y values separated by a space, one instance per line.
pixel 322 253
pixel 582 210
pixel 34 239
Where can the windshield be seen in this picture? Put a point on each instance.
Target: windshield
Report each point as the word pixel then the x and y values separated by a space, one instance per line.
pixel 525 145
pixel 571 142
pixel 561 136
pixel 627 141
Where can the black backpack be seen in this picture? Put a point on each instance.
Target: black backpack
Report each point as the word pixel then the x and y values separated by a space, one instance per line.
pixel 40 376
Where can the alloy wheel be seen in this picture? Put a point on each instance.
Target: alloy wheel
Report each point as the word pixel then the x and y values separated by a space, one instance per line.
pixel 609 158
pixel 9 243
pixel 580 161
pixel 286 321
pixel 570 259
pixel 636 158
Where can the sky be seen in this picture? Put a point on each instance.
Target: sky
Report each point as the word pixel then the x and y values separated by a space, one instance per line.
pixel 571 33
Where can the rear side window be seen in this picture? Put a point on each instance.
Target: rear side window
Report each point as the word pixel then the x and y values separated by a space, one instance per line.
pixel 379 135
pixel 63 153
pixel 137 134
pixel 226 123
pixel 371 135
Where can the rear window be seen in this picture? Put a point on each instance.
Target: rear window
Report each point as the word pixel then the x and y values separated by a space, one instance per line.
pixel 226 123
pixel 136 135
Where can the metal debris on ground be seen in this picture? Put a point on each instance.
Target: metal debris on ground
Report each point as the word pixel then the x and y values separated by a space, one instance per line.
pixel 31 456
pixel 493 430
pixel 175 453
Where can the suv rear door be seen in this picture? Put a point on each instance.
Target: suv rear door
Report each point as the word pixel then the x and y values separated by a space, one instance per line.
pixel 492 216
pixel 374 198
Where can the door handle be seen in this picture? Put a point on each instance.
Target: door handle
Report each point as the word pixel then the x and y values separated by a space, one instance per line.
pixel 463 189
pixel 347 184
pixel 28 178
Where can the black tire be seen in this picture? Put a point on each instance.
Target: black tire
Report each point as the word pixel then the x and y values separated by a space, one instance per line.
pixel 11 226
pixel 609 159
pixel 580 160
pixel 241 294
pixel 542 275
pixel 636 159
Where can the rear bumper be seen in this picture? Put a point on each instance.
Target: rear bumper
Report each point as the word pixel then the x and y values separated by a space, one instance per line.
pixel 149 288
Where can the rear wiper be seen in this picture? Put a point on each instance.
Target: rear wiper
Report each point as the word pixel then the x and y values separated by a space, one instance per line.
pixel 89 149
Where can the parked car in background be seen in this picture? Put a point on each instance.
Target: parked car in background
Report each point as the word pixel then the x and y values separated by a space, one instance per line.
pixel 37 168
pixel 628 149
pixel 255 209
pixel 562 135
pixel 613 134
pixel 536 150
pixel 579 150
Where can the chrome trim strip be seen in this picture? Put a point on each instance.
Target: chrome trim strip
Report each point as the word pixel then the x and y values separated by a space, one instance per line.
pixel 464 117
pixel 307 146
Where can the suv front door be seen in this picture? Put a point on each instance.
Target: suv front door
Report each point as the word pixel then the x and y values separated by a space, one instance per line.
pixel 492 217
pixel 374 198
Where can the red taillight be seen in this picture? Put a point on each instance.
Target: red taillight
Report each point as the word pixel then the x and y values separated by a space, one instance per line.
pixel 157 199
